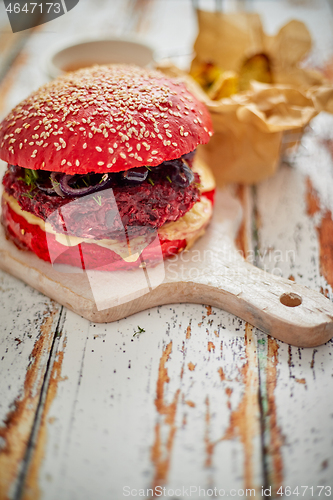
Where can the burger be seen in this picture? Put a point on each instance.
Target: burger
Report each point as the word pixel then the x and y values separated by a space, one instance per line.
pixel 101 165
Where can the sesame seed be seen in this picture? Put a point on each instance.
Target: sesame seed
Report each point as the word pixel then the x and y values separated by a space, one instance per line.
pixel 77 163
pixel 100 163
pixel 98 149
pixel 122 155
pixel 63 162
pixel 84 145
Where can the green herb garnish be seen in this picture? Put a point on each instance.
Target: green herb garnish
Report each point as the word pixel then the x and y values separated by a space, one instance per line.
pixel 28 194
pixel 151 181
pixel 86 181
pixel 55 183
pixel 148 168
pixel 168 177
pixel 98 200
pixel 30 177
pixel 140 330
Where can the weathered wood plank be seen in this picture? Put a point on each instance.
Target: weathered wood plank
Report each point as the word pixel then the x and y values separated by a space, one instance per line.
pixel 11 43
pixel 175 406
pixel 292 237
pixel 171 30
pixel 28 325
pixel 299 245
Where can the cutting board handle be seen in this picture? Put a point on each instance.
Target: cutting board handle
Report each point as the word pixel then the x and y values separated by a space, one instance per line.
pixel 283 309
pixel 280 307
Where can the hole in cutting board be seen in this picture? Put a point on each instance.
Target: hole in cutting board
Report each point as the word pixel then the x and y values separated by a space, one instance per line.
pixel 291 299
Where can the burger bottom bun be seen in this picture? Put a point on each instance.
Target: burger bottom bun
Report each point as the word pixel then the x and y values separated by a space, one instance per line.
pixel 28 236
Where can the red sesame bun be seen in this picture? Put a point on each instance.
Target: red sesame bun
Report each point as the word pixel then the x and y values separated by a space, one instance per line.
pixel 104 119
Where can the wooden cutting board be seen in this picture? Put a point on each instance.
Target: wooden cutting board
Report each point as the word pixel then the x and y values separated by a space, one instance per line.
pixel 212 272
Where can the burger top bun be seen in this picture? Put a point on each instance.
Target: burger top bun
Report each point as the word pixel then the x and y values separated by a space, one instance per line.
pixel 104 119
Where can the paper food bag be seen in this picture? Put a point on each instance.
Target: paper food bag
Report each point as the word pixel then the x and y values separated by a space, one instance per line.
pixel 253 121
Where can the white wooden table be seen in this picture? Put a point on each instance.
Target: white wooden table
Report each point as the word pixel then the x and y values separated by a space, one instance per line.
pixel 200 399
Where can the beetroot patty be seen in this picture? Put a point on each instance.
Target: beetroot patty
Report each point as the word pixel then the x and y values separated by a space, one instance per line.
pixel 151 203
